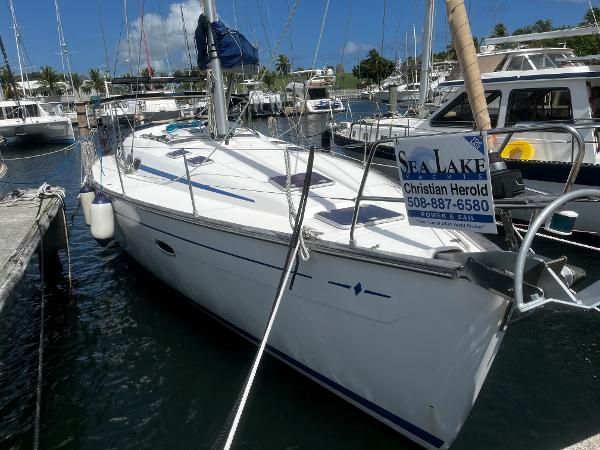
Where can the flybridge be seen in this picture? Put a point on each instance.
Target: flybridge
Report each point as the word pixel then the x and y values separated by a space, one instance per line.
pixel 569 32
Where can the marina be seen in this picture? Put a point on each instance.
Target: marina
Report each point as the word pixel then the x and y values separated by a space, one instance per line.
pixel 247 253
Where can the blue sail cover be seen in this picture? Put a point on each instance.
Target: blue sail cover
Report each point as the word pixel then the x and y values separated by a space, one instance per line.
pixel 235 52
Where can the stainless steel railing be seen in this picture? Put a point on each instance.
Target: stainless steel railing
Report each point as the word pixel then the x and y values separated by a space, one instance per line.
pixel 573 130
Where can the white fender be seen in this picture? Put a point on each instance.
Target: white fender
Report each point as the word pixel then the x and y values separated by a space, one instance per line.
pixel 102 220
pixel 86 195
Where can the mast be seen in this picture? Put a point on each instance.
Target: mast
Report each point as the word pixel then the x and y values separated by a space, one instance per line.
pixel 467 59
pixel 426 57
pixel 217 73
pixel 63 46
pixel 17 39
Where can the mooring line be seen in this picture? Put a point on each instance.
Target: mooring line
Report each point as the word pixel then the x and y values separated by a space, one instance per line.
pixel 293 248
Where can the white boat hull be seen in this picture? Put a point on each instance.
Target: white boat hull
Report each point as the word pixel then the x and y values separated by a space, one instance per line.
pixel 410 348
pixel 55 130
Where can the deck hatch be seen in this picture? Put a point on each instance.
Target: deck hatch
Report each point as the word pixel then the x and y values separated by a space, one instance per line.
pixel 367 215
pixel 177 153
pixel 199 160
pixel 297 182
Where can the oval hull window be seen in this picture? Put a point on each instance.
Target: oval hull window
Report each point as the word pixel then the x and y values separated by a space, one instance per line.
pixel 166 248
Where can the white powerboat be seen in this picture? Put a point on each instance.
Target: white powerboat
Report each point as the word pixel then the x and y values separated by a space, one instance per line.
pixel 312 96
pixel 529 87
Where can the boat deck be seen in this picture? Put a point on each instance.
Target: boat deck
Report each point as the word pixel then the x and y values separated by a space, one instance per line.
pixel 238 186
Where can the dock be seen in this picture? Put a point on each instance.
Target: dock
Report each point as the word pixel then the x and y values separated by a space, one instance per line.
pixel 591 443
pixel 28 217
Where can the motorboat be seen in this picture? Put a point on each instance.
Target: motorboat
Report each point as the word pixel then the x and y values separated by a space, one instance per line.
pixel 401 321
pixel 536 87
pixel 310 93
pixel 260 102
pixel 28 121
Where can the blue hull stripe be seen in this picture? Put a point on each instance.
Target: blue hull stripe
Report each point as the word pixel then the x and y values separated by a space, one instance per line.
pixel 378 410
pixel 367 404
pixel 206 187
pixel 224 252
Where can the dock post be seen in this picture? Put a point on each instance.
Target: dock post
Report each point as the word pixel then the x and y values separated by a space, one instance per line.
pixel 82 119
pixel 393 99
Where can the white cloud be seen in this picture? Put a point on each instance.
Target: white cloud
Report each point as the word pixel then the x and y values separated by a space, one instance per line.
pixel 354 48
pixel 157 44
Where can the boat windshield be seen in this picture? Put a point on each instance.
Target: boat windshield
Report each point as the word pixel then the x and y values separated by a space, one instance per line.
pixel 16 112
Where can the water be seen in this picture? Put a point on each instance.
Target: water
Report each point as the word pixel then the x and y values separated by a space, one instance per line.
pixel 130 364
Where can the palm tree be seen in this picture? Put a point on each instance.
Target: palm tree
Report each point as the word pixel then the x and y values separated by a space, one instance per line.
pixel 7 88
pixel 97 80
pixel 499 30
pixel 86 87
pixel 283 65
pixel 77 83
pixel 49 78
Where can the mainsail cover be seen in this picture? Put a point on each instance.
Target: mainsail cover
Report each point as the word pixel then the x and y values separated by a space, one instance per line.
pixel 235 52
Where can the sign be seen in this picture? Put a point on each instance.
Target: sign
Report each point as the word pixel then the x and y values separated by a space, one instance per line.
pixel 446 181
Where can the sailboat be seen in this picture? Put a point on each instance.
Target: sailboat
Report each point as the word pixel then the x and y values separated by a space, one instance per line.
pixel 401 321
pixel 26 119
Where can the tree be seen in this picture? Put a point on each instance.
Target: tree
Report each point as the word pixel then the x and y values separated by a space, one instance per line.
pixel 499 30
pixel 268 77
pixel 339 69
pixel 283 65
pixel 375 67
pixel 591 17
pixel 49 78
pixel 7 88
pixel 539 26
pixel 77 83
pixel 97 80
pixel 148 72
pixel 86 87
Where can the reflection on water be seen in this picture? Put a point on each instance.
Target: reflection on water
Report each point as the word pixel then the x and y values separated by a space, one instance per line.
pixel 130 364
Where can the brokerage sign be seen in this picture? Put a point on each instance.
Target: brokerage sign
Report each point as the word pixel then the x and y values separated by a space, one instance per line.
pixel 446 182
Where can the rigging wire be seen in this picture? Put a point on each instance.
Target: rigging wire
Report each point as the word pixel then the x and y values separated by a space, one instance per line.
pixel 187 43
pixel 262 21
pixel 18 39
pixel 143 31
pixel 162 24
pixel 594 15
pixel 103 36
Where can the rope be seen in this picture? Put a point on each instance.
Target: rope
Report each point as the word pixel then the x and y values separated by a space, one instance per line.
pixel 64 149
pixel 304 253
pixel 38 400
pixel 561 240
pixel 289 262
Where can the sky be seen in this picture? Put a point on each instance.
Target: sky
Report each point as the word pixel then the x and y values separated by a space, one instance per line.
pixel 350 29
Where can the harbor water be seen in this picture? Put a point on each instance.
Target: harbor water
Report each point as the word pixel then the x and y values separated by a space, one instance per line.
pixel 130 364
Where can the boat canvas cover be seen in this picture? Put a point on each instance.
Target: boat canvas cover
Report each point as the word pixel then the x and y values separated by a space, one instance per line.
pixel 235 52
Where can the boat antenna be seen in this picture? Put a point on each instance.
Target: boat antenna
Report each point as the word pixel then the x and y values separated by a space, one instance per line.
pixel 17 40
pixel 216 72
pixel 11 78
pixel 64 51
pixel 426 56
